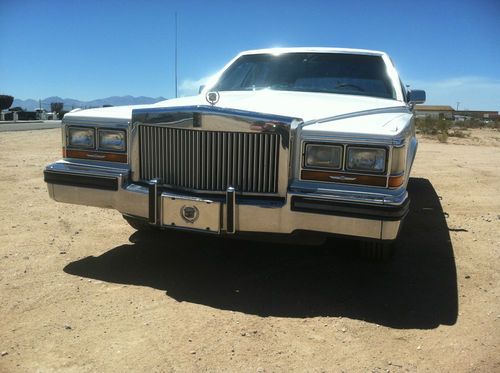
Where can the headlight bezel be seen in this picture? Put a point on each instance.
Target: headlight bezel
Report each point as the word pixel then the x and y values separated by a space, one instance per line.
pixel 96 140
pixel 344 157
pixel 347 174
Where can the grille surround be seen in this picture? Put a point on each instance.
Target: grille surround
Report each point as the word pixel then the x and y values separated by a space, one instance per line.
pixel 210 161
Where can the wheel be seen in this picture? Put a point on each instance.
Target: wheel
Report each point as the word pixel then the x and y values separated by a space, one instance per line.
pixel 376 250
pixel 138 224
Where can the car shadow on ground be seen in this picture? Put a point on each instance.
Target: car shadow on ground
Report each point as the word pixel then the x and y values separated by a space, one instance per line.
pixel 417 289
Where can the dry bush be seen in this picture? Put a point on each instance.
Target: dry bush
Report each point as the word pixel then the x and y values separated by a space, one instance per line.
pixel 442 137
pixel 436 127
pixel 493 125
pixel 455 132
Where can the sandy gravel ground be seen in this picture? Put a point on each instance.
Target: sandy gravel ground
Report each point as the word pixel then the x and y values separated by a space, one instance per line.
pixel 81 292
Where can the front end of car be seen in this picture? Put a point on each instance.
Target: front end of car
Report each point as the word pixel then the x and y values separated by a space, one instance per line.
pixel 232 172
pixel 291 142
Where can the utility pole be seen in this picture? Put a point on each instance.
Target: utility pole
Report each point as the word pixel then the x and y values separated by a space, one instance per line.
pixel 175 55
pixel 40 104
pixel 458 104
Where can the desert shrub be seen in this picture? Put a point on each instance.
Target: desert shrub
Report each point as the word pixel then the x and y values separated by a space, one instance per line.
pixel 494 125
pixel 469 123
pixel 435 127
pixel 457 133
pixel 442 125
pixel 442 137
pixel 427 126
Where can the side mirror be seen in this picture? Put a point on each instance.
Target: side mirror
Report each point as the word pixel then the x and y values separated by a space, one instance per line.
pixel 202 87
pixel 416 96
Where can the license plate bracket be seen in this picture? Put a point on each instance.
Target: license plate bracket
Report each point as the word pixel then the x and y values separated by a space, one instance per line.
pixel 190 213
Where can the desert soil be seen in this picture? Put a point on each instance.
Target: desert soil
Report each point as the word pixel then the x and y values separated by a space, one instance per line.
pixel 81 291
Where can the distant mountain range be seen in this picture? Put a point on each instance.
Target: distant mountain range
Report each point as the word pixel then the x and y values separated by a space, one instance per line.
pixel 71 103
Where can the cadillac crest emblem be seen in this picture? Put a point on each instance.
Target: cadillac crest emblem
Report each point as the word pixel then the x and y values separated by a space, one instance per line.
pixel 189 213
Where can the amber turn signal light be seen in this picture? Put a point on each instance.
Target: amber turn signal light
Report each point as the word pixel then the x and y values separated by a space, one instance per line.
pixel 396 181
pixel 97 156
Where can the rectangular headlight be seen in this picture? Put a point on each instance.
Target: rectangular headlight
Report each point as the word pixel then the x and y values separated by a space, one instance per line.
pixel 112 140
pixel 79 137
pixel 365 159
pixel 323 156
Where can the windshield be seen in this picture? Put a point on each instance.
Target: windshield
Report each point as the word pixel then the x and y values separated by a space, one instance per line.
pixel 352 74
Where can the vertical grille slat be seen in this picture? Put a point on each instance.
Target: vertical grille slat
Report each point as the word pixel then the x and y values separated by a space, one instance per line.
pixel 209 160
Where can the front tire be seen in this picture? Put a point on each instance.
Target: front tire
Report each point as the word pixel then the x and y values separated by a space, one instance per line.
pixel 138 224
pixel 376 250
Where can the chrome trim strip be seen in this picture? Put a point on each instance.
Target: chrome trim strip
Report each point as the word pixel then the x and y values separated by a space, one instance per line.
pixel 96 122
pixel 391 109
pixel 153 201
pixel 349 139
pixel 230 210
pixel 86 169
pixel 90 165
pixel 96 156
pixel 343 178
pixel 361 195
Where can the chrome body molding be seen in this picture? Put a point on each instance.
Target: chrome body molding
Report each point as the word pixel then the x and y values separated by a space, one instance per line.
pixel 392 109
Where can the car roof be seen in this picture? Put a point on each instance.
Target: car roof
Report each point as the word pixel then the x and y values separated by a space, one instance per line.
pixel 313 50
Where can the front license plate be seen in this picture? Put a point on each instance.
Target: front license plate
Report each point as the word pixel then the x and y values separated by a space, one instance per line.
pixel 190 213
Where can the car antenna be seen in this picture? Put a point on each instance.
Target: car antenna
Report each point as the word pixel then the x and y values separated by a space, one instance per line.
pixel 175 68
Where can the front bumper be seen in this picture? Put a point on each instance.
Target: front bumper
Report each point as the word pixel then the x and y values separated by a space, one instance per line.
pixel 366 217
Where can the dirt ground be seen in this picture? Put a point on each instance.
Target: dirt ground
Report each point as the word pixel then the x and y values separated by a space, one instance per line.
pixel 81 291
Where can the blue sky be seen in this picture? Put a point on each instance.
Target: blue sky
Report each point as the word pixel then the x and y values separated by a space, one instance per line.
pixel 94 49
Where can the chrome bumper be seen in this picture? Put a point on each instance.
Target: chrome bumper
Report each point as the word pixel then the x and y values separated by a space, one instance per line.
pixel 333 214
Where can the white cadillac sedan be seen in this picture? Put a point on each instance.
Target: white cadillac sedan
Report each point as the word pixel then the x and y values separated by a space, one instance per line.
pixel 291 143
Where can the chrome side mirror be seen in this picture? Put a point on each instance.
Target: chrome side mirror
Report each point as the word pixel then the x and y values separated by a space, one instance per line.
pixel 416 96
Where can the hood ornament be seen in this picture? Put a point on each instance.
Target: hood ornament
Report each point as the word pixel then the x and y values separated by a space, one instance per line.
pixel 212 97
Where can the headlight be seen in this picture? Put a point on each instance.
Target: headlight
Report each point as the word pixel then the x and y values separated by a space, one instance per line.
pixel 81 137
pixel 112 140
pixel 366 159
pixel 323 156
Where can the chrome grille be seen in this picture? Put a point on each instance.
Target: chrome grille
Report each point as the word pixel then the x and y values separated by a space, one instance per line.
pixel 209 160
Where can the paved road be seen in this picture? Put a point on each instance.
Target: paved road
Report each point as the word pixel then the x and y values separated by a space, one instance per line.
pixel 29 125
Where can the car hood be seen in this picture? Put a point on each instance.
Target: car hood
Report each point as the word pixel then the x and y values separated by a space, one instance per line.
pixel 309 107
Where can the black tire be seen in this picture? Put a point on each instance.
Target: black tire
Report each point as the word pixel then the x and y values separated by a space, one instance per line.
pixel 376 250
pixel 138 224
